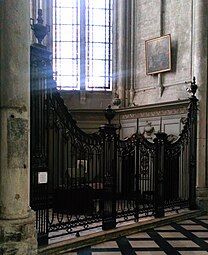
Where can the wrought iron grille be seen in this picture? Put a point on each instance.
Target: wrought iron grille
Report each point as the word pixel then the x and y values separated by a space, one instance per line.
pixel 81 181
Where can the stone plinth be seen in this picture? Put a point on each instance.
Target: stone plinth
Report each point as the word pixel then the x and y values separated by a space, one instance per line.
pixel 17 236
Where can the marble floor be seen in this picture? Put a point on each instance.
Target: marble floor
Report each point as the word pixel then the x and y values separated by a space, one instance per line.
pixel 186 237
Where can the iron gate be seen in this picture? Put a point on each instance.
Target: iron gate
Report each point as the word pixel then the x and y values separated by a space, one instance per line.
pixel 81 181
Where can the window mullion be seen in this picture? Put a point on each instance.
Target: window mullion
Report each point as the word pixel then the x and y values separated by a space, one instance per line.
pixel 109 45
pixel 82 45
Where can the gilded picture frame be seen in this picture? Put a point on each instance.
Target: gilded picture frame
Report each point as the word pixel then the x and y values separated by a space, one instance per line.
pixel 158 54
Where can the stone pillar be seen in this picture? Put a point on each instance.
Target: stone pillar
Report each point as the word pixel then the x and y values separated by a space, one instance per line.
pixel 132 53
pixel 121 72
pixel 17 221
pixel 200 38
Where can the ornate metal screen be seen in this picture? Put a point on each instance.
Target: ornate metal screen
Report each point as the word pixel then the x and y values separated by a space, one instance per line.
pixel 81 181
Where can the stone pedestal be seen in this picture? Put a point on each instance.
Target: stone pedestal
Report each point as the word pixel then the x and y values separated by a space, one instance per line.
pixel 202 197
pixel 17 236
pixel 17 222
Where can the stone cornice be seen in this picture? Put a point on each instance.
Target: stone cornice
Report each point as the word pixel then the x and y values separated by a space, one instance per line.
pixel 154 110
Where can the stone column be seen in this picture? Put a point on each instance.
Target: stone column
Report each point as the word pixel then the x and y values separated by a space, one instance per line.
pixel 200 38
pixel 121 72
pixel 132 53
pixel 17 221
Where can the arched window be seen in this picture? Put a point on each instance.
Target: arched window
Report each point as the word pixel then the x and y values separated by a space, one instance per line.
pixel 82 44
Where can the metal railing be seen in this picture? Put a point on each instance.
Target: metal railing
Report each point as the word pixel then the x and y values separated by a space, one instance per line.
pixel 81 181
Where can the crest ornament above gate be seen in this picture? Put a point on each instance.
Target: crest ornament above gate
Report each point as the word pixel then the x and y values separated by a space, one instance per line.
pixel 109 114
pixel 194 86
pixel 40 31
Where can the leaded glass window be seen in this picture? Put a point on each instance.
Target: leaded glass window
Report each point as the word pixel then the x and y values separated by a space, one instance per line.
pixel 82 44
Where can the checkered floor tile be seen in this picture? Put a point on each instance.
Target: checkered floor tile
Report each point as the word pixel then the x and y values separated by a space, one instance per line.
pixel 187 237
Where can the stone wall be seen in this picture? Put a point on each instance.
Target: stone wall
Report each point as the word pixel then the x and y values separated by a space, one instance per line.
pixel 86 100
pixel 148 120
pixel 146 19
pixel 155 118
pixel 156 18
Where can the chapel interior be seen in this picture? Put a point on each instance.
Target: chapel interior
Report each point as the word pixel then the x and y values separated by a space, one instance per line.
pixel 97 99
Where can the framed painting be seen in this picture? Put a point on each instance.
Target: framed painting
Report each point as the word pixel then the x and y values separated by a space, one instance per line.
pixel 158 54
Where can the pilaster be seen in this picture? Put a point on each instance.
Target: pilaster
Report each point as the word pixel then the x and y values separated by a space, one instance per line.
pixel 200 59
pixel 120 54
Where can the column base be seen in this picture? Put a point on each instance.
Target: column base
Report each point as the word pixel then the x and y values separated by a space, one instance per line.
pixel 18 237
pixel 202 198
